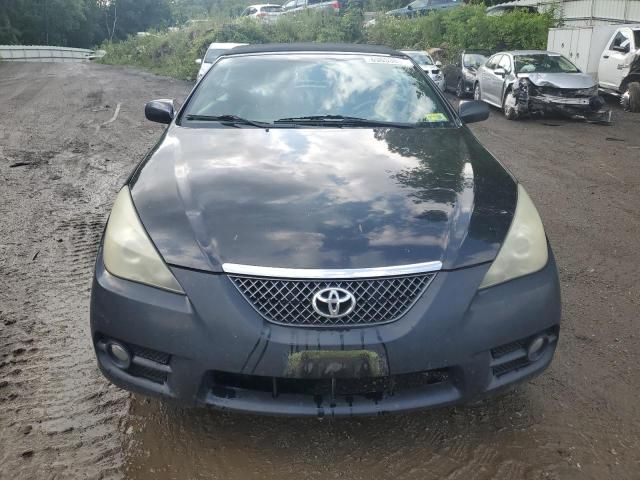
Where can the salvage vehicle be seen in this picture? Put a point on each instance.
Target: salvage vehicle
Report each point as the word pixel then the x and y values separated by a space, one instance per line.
pixel 610 53
pixel 423 7
pixel 531 82
pixel 460 76
pixel 426 63
pixel 213 52
pixel 318 232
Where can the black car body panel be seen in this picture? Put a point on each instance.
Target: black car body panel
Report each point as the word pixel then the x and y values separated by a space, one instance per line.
pixel 321 198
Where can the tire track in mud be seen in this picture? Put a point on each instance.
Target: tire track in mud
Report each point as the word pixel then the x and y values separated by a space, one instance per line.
pixel 59 418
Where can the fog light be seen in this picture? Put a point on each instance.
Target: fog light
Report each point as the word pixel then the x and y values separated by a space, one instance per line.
pixel 119 354
pixel 536 348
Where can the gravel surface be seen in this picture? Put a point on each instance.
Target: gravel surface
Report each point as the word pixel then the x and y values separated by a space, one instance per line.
pixel 64 152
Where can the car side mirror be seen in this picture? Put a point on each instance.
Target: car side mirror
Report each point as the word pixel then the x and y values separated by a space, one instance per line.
pixel 473 111
pixel 161 111
pixel 409 7
pixel 501 72
pixel 619 48
pixel 438 63
pixel 198 61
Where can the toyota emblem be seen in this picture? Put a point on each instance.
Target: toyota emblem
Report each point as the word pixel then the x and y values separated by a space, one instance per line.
pixel 333 302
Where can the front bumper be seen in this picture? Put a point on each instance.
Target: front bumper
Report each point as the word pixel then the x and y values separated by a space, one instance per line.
pixel 211 348
pixel 438 79
pixel 531 101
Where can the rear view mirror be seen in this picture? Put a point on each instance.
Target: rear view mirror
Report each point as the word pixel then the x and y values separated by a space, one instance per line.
pixel 473 111
pixel 161 111
pixel 198 61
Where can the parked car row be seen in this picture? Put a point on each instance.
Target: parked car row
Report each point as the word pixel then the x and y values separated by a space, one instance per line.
pixel 423 7
pixel 603 58
pixel 270 11
pixel 526 82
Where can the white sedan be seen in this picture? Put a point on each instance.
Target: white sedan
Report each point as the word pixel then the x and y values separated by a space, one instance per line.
pixel 213 52
pixel 426 63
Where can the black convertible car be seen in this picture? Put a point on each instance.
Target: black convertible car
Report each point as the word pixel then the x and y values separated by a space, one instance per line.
pixel 317 232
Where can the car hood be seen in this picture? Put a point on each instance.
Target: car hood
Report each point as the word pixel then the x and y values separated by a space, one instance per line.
pixel 323 197
pixel 560 80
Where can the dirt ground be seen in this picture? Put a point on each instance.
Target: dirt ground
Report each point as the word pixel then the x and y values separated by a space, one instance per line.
pixel 64 152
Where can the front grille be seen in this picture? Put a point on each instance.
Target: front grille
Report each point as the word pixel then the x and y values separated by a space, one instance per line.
pixel 148 373
pixel 153 355
pixel 289 302
pixel 224 384
pixel 511 366
pixel 568 92
pixel 503 350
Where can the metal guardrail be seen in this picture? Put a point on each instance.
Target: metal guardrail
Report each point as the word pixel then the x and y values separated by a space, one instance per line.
pixel 41 53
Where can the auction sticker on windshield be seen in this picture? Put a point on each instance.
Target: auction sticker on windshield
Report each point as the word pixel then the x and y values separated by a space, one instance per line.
pixel 389 60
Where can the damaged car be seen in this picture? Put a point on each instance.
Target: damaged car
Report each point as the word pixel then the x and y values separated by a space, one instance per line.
pixel 535 82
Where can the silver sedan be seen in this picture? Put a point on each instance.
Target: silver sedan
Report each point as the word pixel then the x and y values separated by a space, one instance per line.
pixel 537 82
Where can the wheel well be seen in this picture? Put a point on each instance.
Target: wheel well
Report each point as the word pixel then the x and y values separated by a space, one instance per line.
pixel 506 92
pixel 632 77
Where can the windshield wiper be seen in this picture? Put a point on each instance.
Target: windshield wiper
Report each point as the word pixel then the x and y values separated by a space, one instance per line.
pixel 341 120
pixel 230 119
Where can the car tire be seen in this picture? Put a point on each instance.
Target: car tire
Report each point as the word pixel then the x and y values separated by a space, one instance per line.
pixel 508 106
pixel 631 97
pixel 460 89
pixel 477 93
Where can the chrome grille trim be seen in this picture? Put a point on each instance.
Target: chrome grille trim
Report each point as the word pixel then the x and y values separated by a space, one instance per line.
pixel 323 274
pixel 288 301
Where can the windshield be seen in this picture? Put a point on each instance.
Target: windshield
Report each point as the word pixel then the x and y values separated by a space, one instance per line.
pixel 473 60
pixel 266 88
pixel 271 9
pixel 213 54
pixel 544 63
pixel 636 37
pixel 421 58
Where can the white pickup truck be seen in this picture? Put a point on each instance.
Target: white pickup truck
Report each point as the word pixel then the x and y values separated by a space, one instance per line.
pixel 610 53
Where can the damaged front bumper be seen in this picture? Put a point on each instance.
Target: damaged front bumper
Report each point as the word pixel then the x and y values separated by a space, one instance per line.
pixel 578 104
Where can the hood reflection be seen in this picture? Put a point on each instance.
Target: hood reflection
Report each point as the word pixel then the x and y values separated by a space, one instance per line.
pixel 315 198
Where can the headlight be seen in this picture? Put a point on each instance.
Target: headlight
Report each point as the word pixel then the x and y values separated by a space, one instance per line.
pixel 524 250
pixel 128 251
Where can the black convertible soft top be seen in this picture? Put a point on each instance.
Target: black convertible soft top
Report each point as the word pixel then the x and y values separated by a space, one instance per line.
pixel 312 47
